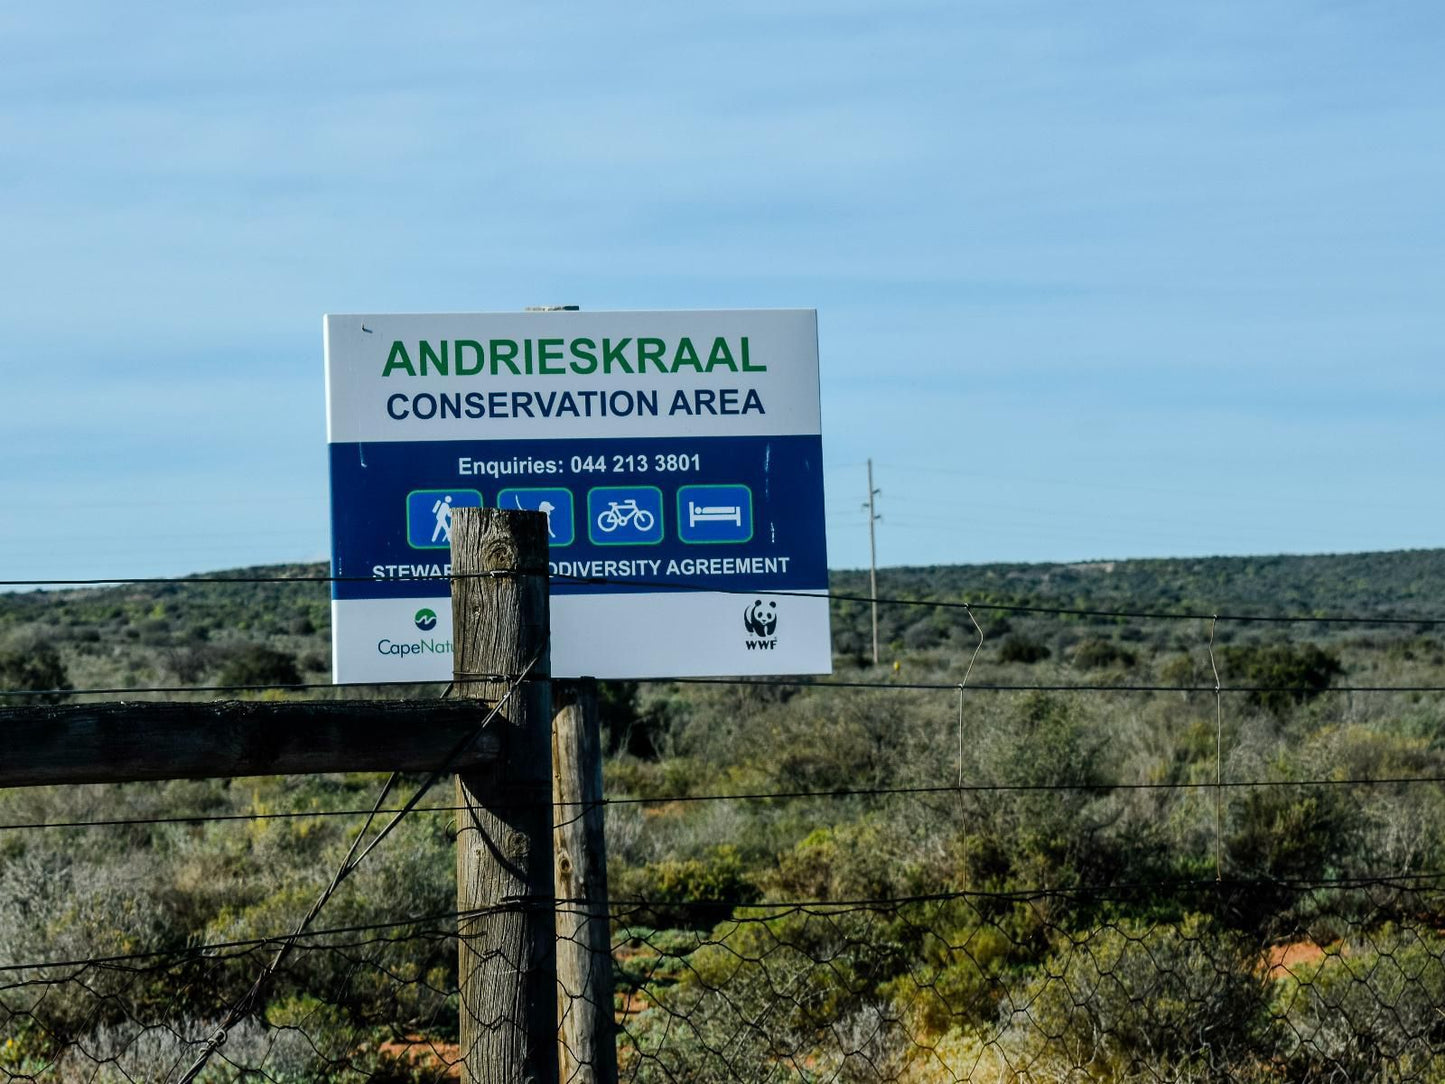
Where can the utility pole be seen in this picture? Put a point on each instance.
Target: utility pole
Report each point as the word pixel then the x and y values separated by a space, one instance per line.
pixel 586 1044
pixel 873 517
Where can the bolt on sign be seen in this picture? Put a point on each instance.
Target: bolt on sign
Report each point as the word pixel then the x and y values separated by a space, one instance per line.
pixel 677 457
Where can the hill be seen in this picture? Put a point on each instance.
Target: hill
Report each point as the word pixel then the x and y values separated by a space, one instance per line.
pixel 1403 583
pixel 194 631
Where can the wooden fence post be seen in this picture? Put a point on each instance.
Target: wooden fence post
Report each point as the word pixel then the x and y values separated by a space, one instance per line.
pixel 587 1050
pixel 508 962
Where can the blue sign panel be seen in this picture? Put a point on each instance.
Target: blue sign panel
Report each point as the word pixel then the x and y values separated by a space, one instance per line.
pixel 773 483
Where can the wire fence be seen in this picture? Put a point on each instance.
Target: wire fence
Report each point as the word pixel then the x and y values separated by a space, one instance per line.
pixel 1340 984
pixel 1343 982
pixel 1181 614
pixel 979 925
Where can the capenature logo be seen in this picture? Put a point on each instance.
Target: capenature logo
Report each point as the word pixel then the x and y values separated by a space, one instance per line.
pixel 425 619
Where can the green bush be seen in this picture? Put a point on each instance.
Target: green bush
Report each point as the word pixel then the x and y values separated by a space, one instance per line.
pixel 1097 654
pixel 36 666
pixel 1279 837
pixel 772 991
pixel 1182 670
pixel 1041 832
pixel 1022 649
pixel 1136 998
pixel 959 971
pixel 1283 675
pixel 628 727
pixel 692 893
pixel 1368 1009
pixel 254 664
pixel 875 858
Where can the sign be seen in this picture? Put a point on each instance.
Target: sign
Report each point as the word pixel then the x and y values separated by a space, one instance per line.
pixel 676 455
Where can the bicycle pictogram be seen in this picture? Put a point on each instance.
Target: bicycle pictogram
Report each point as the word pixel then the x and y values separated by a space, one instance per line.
pixel 625 515
pixel 621 513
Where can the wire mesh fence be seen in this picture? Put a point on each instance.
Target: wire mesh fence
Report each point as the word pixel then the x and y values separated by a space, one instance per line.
pixel 1346 981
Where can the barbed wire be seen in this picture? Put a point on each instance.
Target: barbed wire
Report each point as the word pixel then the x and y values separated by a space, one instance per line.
pixel 761 682
pixel 1104 890
pixel 211 949
pixel 832 596
pixel 750 796
pixel 1016 607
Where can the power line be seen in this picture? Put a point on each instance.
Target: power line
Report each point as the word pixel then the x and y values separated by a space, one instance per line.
pixel 155 689
pixel 873 518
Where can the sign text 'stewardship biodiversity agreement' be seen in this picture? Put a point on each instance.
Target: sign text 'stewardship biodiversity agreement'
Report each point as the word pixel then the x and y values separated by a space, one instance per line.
pixel 676 455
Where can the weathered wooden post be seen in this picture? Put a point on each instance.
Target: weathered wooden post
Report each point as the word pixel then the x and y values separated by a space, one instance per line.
pixel 586 1050
pixel 508 960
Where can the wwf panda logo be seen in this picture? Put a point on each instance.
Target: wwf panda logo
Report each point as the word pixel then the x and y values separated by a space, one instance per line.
pixel 761 618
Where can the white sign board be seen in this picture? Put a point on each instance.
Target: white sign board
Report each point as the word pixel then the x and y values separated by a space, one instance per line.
pixel 677 456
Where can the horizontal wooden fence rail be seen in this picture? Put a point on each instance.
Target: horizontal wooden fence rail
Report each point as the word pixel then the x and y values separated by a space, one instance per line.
pixel 128 742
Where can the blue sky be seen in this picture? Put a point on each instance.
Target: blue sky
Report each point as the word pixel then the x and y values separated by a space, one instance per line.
pixel 1093 280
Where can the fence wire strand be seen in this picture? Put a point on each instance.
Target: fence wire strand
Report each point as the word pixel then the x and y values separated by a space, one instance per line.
pixel 831 596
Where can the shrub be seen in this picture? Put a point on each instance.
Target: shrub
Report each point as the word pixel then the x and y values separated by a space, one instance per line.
pixel 959 972
pixel 1369 1010
pixel 1181 670
pixel 693 893
pixel 924 633
pixel 1096 654
pixel 627 727
pixel 875 858
pixel 1134 996
pixel 773 988
pixel 37 666
pixel 1284 675
pixel 257 665
pixel 189 664
pixel 1043 832
pixel 315 662
pixel 1291 835
pixel 1022 649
